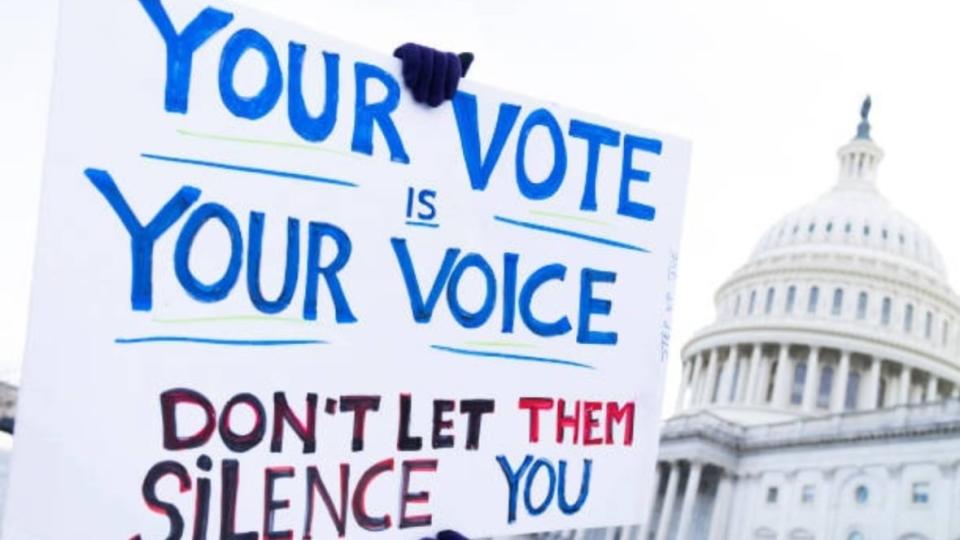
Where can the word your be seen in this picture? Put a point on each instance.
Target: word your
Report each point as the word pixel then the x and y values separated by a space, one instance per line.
pixel 143 237
pixel 182 45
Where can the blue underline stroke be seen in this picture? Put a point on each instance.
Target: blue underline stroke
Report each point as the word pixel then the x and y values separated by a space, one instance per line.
pixel 572 234
pixel 217 341
pixel 507 356
pixel 255 170
pixel 423 224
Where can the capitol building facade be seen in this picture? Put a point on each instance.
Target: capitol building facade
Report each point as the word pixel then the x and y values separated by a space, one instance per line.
pixel 824 401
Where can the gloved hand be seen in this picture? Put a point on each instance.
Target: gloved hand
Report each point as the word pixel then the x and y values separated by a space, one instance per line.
pixel 430 74
pixel 448 535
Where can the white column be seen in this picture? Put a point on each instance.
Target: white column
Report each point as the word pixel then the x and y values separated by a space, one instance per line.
pixel 786 502
pixel 873 384
pixel 750 392
pixel 838 393
pixel 726 380
pixel 652 505
pixel 668 499
pixel 742 380
pixel 763 379
pixel 812 384
pixel 721 509
pixel 931 394
pixel 896 500
pixel 747 499
pixel 689 499
pixel 713 358
pixel 952 501
pixel 781 384
pixel 942 500
pixel 904 385
pixel 682 393
pixel 697 384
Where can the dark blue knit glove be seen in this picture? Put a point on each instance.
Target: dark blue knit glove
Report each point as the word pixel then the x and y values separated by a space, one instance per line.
pixel 449 535
pixel 430 74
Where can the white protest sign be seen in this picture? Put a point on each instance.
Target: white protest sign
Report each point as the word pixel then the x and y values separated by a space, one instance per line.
pixel 275 298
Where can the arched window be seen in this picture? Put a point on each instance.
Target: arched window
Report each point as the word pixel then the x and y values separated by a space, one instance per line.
pixel 861 494
pixel 768 304
pixel 813 300
pixel 862 305
pixel 855 535
pixel 885 311
pixel 753 302
pixel 791 298
pixel 837 307
pixel 908 319
pixel 945 334
pixel 928 325
pixel 853 391
pixel 799 378
pixel 826 384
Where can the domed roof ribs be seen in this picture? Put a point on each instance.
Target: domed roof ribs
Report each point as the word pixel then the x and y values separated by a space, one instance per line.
pixel 860 158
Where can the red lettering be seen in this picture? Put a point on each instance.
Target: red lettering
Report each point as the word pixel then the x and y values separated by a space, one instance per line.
pixel 617 414
pixel 364 519
pixel 535 405
pixel 419 497
pixel 168 408
pixel 590 421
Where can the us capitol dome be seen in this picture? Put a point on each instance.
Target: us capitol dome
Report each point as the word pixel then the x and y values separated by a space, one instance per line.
pixel 822 403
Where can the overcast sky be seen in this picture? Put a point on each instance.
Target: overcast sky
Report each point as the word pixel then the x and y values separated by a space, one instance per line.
pixel 765 90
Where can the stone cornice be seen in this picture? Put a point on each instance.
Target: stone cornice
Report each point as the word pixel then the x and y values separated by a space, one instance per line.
pixel 755 327
pixel 907 422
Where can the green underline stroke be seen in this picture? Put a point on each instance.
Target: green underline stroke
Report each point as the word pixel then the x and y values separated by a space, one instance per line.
pixel 501 344
pixel 569 217
pixel 230 318
pixel 261 142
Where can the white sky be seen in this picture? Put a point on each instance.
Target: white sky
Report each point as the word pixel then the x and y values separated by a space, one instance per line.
pixel 765 90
